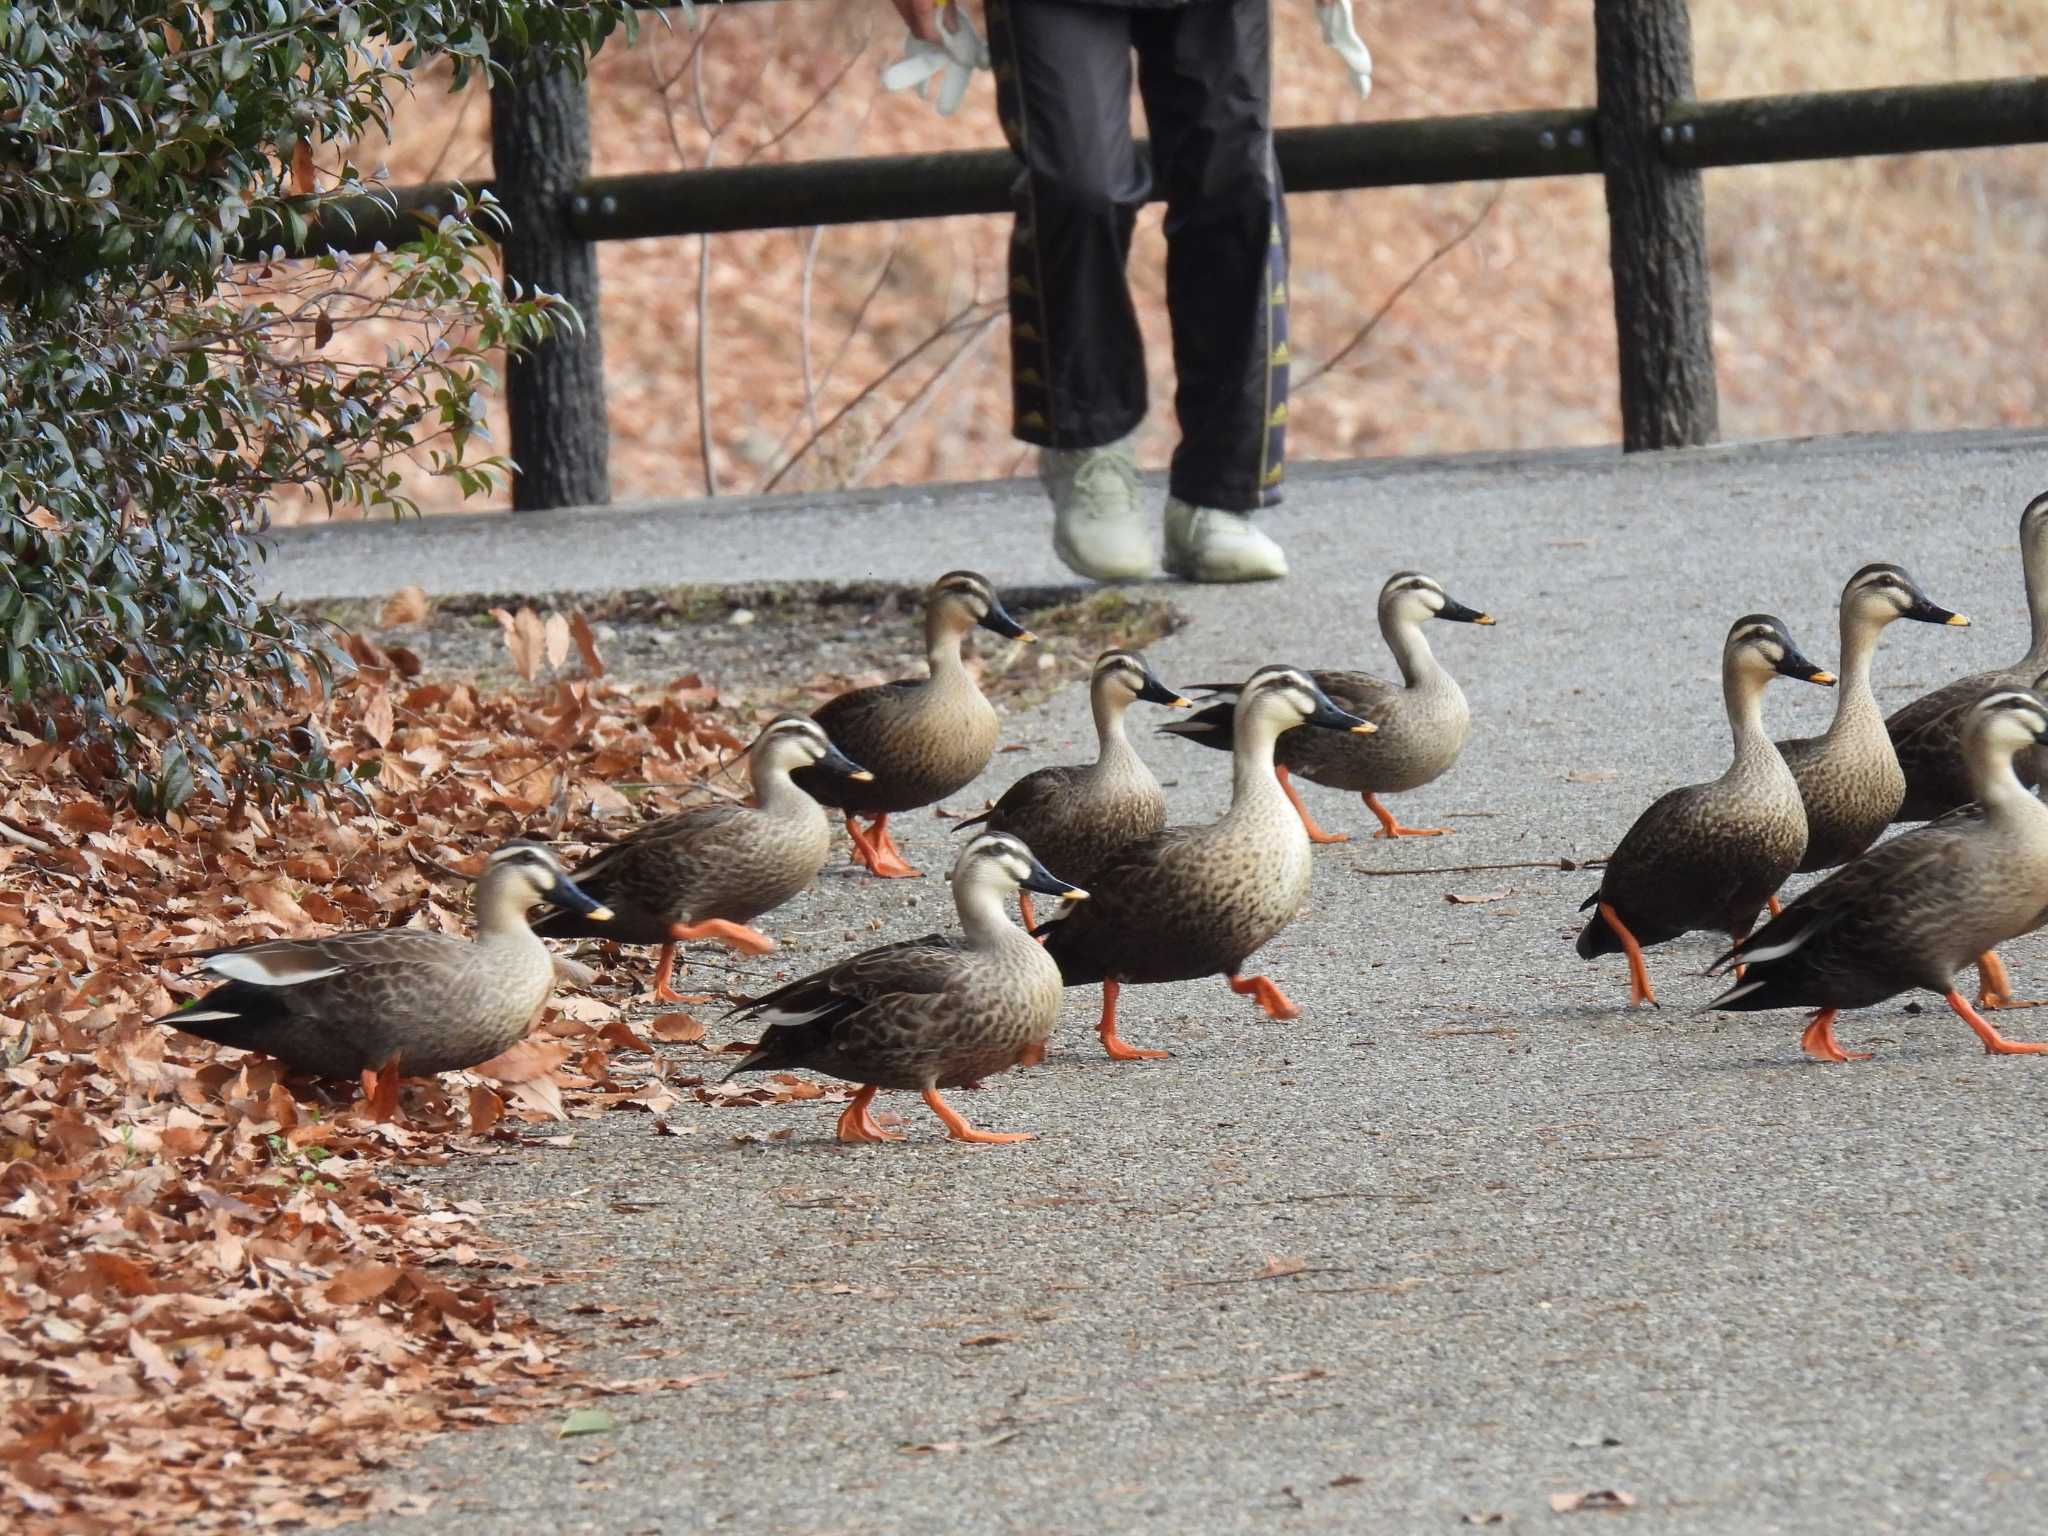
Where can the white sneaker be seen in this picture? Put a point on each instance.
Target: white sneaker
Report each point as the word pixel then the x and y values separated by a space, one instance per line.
pixel 1098 527
pixel 1203 544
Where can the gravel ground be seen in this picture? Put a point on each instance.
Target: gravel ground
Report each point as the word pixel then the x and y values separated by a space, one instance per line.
pixel 1465 1237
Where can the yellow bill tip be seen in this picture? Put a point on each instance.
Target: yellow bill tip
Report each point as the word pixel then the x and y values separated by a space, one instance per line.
pixel 1181 703
pixel 600 914
pixel 861 776
pixel 1484 618
pixel 1076 894
pixel 1959 620
pixel 1028 638
pixel 1364 728
pixel 1825 679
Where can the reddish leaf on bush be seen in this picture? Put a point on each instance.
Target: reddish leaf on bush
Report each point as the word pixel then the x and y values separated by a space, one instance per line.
pixel 406 606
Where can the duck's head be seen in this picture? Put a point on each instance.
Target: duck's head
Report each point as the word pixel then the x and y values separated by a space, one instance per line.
pixel 962 599
pixel 2034 525
pixel 522 875
pixel 2006 721
pixel 1760 647
pixel 1001 863
pixel 1881 592
pixel 1122 676
pixel 790 742
pixel 1284 697
pixel 1411 596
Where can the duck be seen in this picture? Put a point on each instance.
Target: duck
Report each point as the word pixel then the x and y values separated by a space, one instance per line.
pixel 1710 855
pixel 398 1001
pixel 1912 912
pixel 1199 901
pixel 1849 777
pixel 1077 818
pixel 1422 722
pixel 709 870
pixel 921 739
pixel 1927 733
pixel 943 1011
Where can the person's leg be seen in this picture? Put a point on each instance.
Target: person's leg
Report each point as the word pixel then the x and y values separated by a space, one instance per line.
pixel 1205 74
pixel 1063 91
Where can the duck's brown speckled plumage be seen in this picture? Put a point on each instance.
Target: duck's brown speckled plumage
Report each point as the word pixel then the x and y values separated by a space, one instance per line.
pixel 424 1002
pixel 932 1012
pixel 1078 819
pixel 1849 778
pixel 1927 733
pixel 1710 855
pixel 1199 901
pixel 722 859
pixel 921 738
pixel 1913 912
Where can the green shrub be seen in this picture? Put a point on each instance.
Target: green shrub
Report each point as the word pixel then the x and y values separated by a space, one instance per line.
pixel 156 393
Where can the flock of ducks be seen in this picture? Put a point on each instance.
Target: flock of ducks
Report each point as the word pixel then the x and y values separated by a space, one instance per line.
pixel 1141 901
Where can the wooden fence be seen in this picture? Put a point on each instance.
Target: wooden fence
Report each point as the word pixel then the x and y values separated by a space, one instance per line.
pixel 1646 137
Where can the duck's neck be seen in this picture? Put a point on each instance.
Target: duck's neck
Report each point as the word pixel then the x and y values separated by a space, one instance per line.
pixel 501 915
pixel 2005 799
pixel 1418 663
pixel 1743 693
pixel 983 917
pixel 776 793
pixel 1113 747
pixel 942 636
pixel 1855 703
pixel 2034 563
pixel 1251 772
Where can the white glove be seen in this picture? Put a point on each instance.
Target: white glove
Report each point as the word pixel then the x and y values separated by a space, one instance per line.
pixel 1341 33
pixel 952 60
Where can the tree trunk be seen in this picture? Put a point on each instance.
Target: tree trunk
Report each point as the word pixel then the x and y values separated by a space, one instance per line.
pixel 540 140
pixel 1656 228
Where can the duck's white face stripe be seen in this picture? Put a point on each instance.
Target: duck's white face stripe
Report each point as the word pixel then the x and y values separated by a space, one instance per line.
pixel 1755 632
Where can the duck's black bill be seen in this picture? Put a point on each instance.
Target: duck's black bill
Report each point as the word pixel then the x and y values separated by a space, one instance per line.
pixel 1000 621
pixel 1458 613
pixel 1156 692
pixel 1046 883
pixel 1792 664
pixel 571 897
pixel 837 762
pixel 1933 613
pixel 1331 718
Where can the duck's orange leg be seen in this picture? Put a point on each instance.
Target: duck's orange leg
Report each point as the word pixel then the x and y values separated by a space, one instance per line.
pixel 1024 911
pixel 1033 1054
pixel 664 969
pixel 878 851
pixel 1119 1048
pixel 1315 833
pixel 1390 824
pixel 748 941
pixel 960 1130
pixel 1819 1039
pixel 855 1124
pixel 1638 973
pixel 1995 1044
pixel 1774 906
pixel 1994 987
pixel 1269 997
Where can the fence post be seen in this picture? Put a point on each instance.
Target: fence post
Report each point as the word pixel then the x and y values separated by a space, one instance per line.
pixel 1656 227
pixel 540 143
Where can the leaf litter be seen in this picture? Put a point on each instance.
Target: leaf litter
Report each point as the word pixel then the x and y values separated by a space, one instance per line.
pixel 216 1304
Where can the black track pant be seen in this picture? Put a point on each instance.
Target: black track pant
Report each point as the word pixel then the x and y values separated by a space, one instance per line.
pixel 1063 83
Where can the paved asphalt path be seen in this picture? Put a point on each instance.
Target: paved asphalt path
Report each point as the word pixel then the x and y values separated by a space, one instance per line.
pixel 1540 1245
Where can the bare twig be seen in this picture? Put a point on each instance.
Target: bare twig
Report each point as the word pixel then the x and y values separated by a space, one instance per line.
pixel 1470 228
pixel 1473 869
pixel 14 834
pixel 966 319
pixel 813 239
pixel 932 389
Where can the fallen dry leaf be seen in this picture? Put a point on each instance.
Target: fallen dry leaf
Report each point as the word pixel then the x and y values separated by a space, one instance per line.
pixel 676 1028
pixel 955 1447
pixel 1591 775
pixel 1458 900
pixel 1591 1501
pixel 406 606
pixel 1280 1265
pixel 984 1340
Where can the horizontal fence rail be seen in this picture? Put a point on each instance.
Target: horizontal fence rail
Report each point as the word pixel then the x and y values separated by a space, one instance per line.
pixel 1646 138
pixel 1408 152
